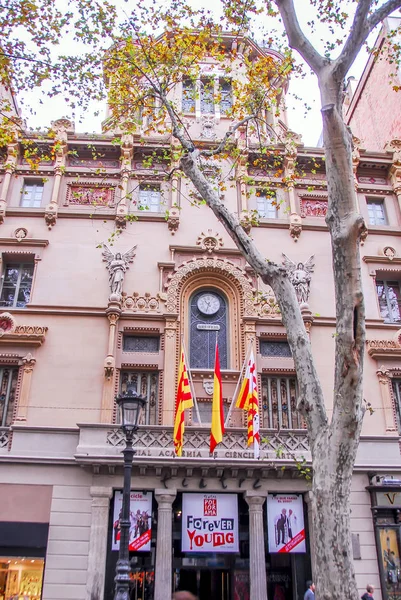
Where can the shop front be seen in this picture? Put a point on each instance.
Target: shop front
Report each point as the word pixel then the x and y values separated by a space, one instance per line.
pixel 212 545
pixel 386 508
pixel 22 560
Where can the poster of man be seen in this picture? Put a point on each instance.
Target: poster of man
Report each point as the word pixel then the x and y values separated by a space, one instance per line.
pixel 285 521
pixel 140 521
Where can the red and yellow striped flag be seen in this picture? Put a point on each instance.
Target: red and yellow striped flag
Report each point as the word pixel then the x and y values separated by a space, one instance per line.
pixel 248 400
pixel 217 430
pixel 183 401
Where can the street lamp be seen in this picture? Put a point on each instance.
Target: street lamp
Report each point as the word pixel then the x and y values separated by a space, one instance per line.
pixel 131 405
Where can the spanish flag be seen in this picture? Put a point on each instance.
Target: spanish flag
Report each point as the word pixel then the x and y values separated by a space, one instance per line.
pixel 217 430
pixel 183 401
pixel 248 400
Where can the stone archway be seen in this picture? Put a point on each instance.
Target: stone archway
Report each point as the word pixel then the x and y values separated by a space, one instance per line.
pixel 213 265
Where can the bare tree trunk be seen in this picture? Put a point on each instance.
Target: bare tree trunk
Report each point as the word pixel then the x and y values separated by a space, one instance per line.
pixel 334 449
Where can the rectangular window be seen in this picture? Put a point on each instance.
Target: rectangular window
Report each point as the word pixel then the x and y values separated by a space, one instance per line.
pixel 137 343
pixel 397 399
pixel 274 349
pixel 266 206
pixel 16 285
pixel 205 413
pixel 207 96
pixel 8 384
pixel 376 212
pixel 279 396
pixel 145 383
pixel 32 194
pixel 226 96
pixel 388 293
pixel 188 96
pixel 149 198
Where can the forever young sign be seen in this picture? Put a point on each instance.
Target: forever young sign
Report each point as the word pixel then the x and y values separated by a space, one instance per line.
pixel 140 532
pixel 209 523
pixel 285 523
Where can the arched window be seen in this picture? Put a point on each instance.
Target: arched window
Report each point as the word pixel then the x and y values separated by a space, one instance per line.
pixel 208 317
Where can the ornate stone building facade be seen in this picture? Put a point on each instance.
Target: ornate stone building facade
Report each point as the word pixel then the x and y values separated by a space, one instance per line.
pixel 87 313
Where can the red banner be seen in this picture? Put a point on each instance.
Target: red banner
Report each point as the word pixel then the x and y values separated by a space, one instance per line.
pixel 141 541
pixel 289 546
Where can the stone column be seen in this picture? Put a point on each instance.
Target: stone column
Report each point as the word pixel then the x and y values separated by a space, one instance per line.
pixel 164 545
pixel 308 497
pixel 98 542
pixel 257 559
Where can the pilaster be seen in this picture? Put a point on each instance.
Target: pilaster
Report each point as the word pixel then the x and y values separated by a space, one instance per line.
pixel 164 549
pixel 113 313
pixel 170 369
pixel 11 163
pixel 257 559
pixel 28 363
pixel 98 542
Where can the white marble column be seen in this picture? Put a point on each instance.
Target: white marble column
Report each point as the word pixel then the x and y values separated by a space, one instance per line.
pixel 257 558
pixel 164 544
pixel 98 542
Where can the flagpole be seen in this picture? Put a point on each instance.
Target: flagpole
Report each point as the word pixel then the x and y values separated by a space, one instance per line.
pixel 191 383
pixel 238 383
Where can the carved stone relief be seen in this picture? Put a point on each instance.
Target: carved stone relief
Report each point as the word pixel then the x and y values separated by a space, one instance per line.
pixel 208 128
pixel 20 234
pixel 143 303
pixel 90 194
pixel 313 208
pixel 209 241
pixel 117 264
pixel 300 275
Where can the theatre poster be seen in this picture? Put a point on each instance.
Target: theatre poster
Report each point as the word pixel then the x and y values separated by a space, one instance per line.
pixel 285 523
pixel 140 532
pixel 209 523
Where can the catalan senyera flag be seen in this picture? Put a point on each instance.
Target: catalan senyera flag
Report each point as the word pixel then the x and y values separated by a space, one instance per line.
pixel 183 400
pixel 217 430
pixel 248 400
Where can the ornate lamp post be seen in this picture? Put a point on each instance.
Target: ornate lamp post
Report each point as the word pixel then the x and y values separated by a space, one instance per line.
pixel 131 405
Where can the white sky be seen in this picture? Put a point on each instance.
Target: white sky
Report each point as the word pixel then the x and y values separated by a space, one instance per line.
pixel 305 122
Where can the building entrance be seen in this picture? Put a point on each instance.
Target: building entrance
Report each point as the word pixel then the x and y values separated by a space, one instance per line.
pixel 205 583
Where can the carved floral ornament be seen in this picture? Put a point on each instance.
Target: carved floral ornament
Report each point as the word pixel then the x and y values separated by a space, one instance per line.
pixel 209 241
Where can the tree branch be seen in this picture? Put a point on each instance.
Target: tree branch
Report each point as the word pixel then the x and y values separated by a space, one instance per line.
pixel 297 39
pixel 358 33
pixel 361 27
pixel 383 12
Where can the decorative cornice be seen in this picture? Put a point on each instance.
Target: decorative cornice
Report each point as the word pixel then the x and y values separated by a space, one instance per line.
pixel 385 260
pixel 384 348
pixel 27 335
pixel 24 242
pixel 199 250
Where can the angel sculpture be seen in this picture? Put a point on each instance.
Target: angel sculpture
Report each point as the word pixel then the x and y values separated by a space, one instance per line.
pixel 300 275
pixel 117 264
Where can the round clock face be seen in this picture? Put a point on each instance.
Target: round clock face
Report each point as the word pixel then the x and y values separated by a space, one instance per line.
pixel 208 304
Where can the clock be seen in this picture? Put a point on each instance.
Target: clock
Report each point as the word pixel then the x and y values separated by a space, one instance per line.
pixel 208 304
